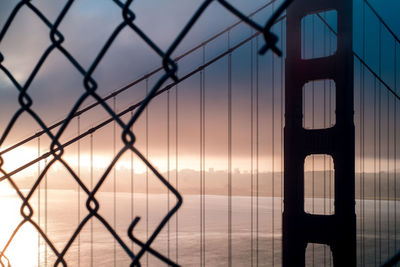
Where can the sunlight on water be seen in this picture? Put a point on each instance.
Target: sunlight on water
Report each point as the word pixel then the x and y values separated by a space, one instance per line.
pixel 23 250
pixel 62 221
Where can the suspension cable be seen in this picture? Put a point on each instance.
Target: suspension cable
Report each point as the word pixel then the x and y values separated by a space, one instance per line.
pixel 168 174
pixel 204 152
pixel 176 173
pixel 377 76
pixel 78 189
pixel 39 196
pixel 273 154
pixel 282 121
pixel 201 167
pixel 313 126
pixel 141 79
pixel 382 21
pixel 114 181
pixel 229 155
pixel 91 188
pixel 134 106
pixel 257 153
pixel 132 190
pixel 362 176
pixel 251 149
pixel 380 145
pixel 325 126
pixel 395 149
pixel 147 172
pixel 45 212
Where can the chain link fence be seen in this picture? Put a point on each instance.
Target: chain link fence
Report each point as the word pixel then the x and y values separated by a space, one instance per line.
pixel 90 86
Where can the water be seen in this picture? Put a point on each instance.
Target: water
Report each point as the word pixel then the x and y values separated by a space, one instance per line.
pixel 259 237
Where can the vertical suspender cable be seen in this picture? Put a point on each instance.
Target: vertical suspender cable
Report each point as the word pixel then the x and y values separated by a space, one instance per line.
pixel 132 188
pixel 257 159
pixel 303 37
pixel 168 173
pixel 362 90
pixel 229 154
pixel 91 188
pixel 38 171
pixel 330 48
pixel 147 172
pixel 395 147
pixel 202 162
pixel 176 174
pixel 362 164
pixel 313 125
pixel 282 121
pixel 78 189
pixel 380 146
pixel 331 106
pixel 361 158
pixel 45 210
pixel 251 150
pixel 361 161
pixel 204 155
pixel 203 165
pixel 273 152
pixel 114 183
pixel 388 174
pixel 325 126
pixel 375 222
pixel 201 168
pixel 282 115
pixel 303 51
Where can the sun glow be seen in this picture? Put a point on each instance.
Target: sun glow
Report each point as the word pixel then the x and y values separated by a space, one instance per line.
pixel 23 248
pixel 18 157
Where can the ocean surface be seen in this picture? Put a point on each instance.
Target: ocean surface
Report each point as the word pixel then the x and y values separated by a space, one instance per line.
pixel 255 232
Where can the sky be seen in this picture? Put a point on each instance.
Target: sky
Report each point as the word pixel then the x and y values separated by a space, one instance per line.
pixel 256 124
pixel 388 10
pixel 87 26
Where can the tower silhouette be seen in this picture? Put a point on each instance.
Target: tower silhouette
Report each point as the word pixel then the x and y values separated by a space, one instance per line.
pixel 338 230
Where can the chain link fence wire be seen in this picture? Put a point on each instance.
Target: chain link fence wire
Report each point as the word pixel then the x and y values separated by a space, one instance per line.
pixel 128 138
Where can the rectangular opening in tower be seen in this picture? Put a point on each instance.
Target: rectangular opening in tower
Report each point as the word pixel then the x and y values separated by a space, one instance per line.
pixel 319 189
pixel 318 255
pixel 318 34
pixel 319 102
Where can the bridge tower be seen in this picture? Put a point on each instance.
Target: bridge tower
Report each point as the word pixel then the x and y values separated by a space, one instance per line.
pixel 338 230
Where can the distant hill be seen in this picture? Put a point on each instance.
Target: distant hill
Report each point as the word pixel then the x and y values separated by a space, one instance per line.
pixel 369 185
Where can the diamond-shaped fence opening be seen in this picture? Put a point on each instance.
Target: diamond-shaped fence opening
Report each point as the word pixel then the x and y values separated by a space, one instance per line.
pixel 22 50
